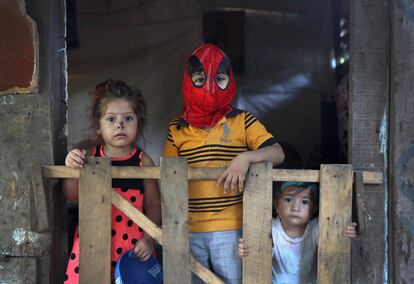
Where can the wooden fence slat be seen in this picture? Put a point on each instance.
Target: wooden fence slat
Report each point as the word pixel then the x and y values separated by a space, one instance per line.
pixel 41 218
pixel 174 198
pixel 335 211
pixel 359 192
pixel 137 217
pixel 156 233
pixel 95 216
pixel 257 220
pixel 201 173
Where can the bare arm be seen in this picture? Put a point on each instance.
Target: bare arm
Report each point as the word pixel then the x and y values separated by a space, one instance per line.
pixel 152 209
pixel 152 199
pixel 272 154
pixel 234 176
pixel 75 159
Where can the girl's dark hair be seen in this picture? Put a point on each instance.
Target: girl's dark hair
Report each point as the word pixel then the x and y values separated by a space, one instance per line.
pixel 115 89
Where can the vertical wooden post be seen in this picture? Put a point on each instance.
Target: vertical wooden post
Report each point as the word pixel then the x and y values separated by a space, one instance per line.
pixel 257 220
pixel 335 212
pixel 368 129
pixel 174 198
pixel 40 220
pixel 95 216
pixel 359 204
pixel 401 204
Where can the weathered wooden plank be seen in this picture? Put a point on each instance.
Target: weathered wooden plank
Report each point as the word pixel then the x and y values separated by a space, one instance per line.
pixel 359 195
pixel 203 273
pixel 40 219
pixel 137 217
pixel 156 233
pixel 368 133
pixel 401 232
pixel 18 270
pixel 95 214
pixel 201 173
pixel 335 213
pixel 257 220
pixel 174 198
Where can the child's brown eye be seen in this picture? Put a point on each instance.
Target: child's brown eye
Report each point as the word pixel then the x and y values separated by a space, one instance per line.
pixel 198 79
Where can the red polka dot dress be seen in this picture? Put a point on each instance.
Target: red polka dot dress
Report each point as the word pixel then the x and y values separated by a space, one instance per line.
pixel 125 233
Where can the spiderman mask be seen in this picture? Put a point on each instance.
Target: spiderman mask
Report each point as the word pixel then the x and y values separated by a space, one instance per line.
pixel 208 87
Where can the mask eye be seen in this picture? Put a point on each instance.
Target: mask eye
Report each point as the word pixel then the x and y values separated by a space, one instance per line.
pixel 196 71
pixel 198 79
pixel 222 80
pixel 223 73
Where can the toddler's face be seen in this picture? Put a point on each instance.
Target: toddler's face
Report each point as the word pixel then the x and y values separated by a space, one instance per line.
pixel 118 125
pixel 295 206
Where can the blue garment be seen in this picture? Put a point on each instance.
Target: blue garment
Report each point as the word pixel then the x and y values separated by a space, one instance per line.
pixel 218 252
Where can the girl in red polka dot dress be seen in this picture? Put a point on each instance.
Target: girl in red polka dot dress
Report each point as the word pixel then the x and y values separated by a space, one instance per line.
pixel 119 116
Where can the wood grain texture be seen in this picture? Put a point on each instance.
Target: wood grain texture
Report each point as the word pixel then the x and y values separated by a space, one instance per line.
pixel 368 130
pixel 201 173
pixel 257 220
pixel 401 232
pixel 95 221
pixel 174 198
pixel 156 233
pixel 335 212
pixel 40 218
pixel 360 207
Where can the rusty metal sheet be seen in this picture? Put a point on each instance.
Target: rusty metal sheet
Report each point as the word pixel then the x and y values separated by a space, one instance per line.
pixel 18 49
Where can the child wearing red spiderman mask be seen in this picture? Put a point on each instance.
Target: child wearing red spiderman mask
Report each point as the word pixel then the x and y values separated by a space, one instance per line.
pixel 211 133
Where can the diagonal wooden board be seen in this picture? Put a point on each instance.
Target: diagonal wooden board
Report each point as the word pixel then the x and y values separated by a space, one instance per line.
pixel 335 213
pixel 156 233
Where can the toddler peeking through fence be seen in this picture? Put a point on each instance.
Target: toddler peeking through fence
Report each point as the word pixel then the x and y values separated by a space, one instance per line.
pixel 295 233
pixel 119 117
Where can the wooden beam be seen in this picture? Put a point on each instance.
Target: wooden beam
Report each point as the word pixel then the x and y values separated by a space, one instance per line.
pixel 369 78
pixel 257 224
pixel 137 217
pixel 359 197
pixel 156 233
pixel 201 173
pixel 335 207
pixel 174 198
pixel 401 174
pixel 95 215
pixel 40 220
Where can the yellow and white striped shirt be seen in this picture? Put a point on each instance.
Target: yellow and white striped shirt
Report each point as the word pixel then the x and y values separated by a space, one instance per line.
pixel 210 208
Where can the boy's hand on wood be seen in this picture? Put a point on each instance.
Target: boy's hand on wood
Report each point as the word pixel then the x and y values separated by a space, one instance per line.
pixel 75 158
pixel 351 231
pixel 242 249
pixel 234 176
